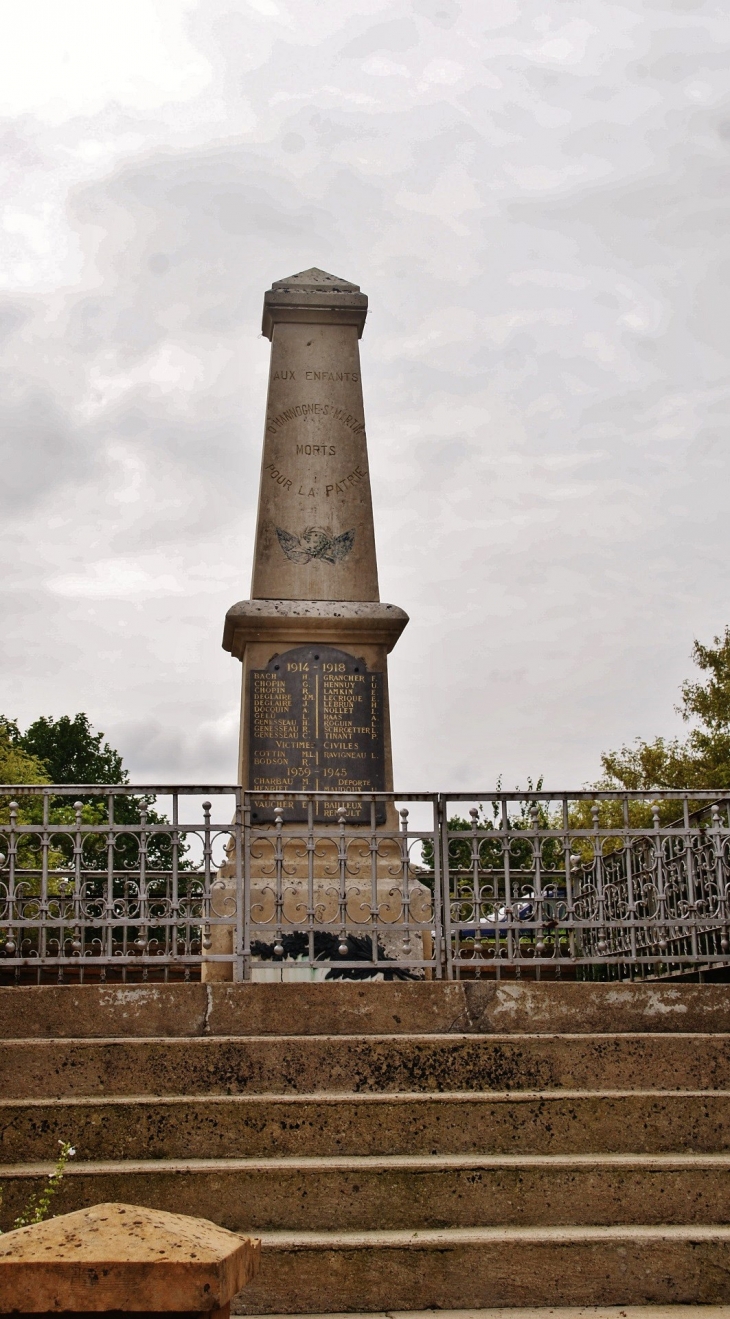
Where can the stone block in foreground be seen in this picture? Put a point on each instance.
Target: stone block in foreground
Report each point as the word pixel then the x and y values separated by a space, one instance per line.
pixel 123 1258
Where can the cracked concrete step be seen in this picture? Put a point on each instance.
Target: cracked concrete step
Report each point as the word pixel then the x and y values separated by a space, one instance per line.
pixel 406 1192
pixel 465 1268
pixel 346 1007
pixel 342 1007
pixel 218 1126
pixel 381 1063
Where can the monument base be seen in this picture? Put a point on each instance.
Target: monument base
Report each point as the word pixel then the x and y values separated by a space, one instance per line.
pixel 312 718
pixel 382 918
pixel 379 895
pixel 315 719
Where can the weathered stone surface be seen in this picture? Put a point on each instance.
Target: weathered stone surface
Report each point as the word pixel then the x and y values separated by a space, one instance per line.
pixel 311 297
pixel 241 1126
pixel 427 1191
pixel 589 1007
pixel 78 1011
pixel 345 1064
pixel 314 536
pixel 341 1007
pixel 342 622
pixel 123 1257
pixel 299 1114
pixel 466 1268
pixel 314 552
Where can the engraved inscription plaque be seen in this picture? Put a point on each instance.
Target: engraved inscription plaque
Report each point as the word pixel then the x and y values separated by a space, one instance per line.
pixel 316 725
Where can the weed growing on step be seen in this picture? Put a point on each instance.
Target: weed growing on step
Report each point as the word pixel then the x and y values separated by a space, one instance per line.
pixel 36 1210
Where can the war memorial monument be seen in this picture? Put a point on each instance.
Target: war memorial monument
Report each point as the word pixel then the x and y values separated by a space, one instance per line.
pixel 314 640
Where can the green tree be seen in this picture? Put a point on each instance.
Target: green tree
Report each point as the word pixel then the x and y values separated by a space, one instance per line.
pixel 61 750
pixel 17 765
pixel 72 752
pixel 702 759
pixel 69 751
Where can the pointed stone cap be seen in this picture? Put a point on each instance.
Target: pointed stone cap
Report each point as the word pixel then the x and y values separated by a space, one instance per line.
pixel 314 297
pixel 316 281
pixel 123 1257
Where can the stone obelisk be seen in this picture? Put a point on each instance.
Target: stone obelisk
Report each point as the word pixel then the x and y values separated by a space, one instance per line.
pixel 314 637
pixel 312 718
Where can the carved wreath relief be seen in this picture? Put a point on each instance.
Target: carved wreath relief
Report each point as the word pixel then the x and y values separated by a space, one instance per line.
pixel 316 543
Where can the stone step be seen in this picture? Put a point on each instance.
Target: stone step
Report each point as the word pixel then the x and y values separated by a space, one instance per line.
pixel 354 1007
pixel 219 1126
pixel 398 1193
pixel 463 1268
pixel 385 1063
pixel 544 1312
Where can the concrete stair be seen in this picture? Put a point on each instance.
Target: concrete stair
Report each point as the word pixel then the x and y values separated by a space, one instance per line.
pixel 397 1147
pixel 552 1312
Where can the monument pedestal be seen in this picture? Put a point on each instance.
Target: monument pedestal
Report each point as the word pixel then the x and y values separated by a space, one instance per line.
pixel 260 633
pixel 313 699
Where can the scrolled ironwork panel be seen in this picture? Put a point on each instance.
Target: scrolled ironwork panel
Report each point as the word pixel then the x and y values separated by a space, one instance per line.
pixel 124 882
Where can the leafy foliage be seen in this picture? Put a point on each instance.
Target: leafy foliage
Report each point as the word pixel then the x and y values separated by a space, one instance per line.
pixel 17 764
pixel 37 1208
pixel 702 759
pixel 72 752
pixel 69 751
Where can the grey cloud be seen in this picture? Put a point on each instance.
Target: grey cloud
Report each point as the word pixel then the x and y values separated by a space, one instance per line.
pixel 13 316
pixel 42 449
pixel 293 143
pixel 688 62
pixel 398 35
pixel 710 319
pixel 442 13
pixel 188 218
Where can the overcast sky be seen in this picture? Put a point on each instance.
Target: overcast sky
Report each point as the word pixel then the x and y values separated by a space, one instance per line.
pixel 536 199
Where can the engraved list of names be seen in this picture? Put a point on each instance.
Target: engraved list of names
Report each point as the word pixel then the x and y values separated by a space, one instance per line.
pixel 316 725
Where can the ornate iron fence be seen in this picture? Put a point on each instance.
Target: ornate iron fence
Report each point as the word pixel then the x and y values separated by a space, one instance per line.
pixel 177 882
